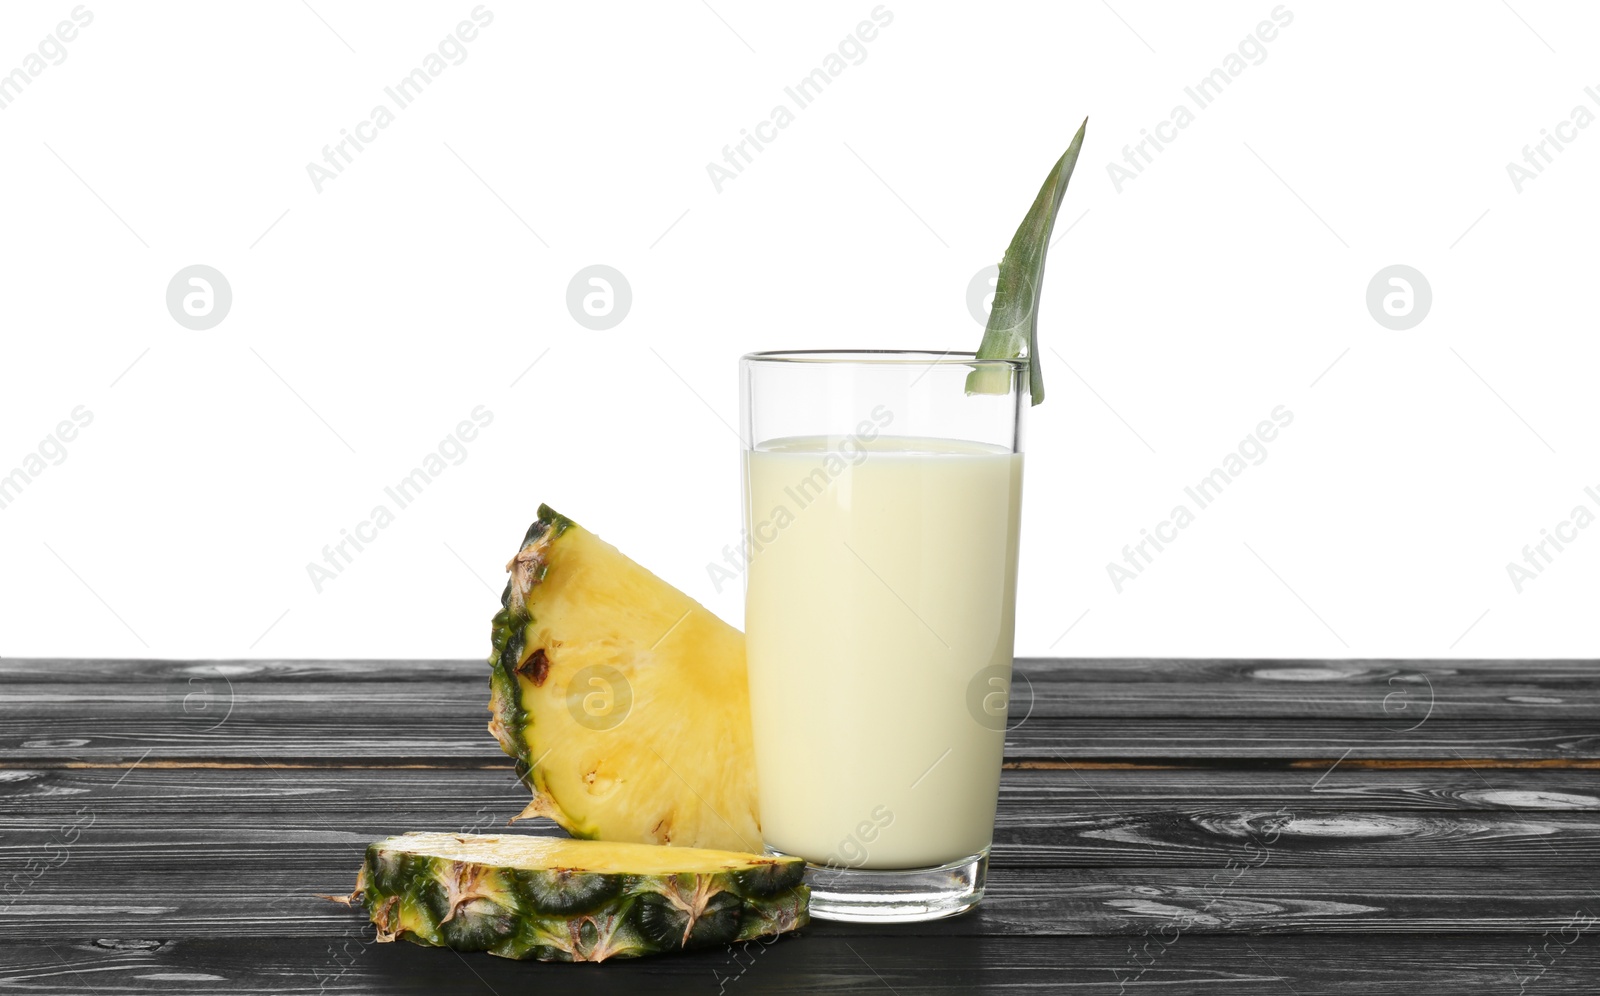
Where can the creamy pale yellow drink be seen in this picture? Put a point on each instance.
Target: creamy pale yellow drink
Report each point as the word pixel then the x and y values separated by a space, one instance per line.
pixel 881 595
pixel 880 609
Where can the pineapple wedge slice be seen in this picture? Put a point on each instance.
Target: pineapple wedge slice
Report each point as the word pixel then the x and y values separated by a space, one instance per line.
pixel 554 899
pixel 622 699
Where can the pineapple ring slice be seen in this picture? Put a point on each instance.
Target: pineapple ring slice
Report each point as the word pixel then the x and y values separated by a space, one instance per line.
pixel 554 899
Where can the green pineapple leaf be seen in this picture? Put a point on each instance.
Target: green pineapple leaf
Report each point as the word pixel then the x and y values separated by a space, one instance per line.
pixel 1013 328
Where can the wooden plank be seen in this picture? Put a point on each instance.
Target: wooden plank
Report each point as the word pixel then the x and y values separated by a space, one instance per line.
pixel 435 730
pixel 154 794
pixel 257 879
pixel 1154 712
pixel 1318 742
pixel 95 671
pixel 839 962
pixel 1296 839
pixel 1398 692
pixel 835 962
pixel 1345 785
pixel 1046 818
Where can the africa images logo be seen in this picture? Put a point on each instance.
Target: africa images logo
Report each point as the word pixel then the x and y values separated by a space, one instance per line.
pixel 738 155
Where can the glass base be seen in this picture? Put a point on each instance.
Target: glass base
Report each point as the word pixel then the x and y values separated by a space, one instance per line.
pixel 868 895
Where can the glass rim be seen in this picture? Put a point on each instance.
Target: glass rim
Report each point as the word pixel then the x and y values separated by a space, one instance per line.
pixel 907 357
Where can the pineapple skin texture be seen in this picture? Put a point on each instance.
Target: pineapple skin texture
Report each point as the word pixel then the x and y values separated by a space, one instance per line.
pixel 679 769
pixel 568 915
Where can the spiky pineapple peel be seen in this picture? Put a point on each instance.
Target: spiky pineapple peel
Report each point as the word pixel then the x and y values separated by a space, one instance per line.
pixel 1013 328
pixel 554 899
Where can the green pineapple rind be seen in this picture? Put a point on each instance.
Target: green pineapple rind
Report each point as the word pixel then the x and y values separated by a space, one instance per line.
pixel 561 915
pixel 508 637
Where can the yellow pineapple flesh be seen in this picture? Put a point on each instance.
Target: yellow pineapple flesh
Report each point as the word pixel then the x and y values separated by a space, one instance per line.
pixel 623 700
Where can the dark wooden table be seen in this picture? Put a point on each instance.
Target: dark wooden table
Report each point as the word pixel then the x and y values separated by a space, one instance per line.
pixel 1281 827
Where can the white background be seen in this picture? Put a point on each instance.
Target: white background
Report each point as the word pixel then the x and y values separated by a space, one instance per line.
pixel 1228 278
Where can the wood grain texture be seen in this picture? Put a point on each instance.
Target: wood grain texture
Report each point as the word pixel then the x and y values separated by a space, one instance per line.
pixel 392 729
pixel 158 794
pixel 1047 818
pixel 1395 691
pixel 259 885
pixel 432 713
pixel 885 962
pixel 1166 826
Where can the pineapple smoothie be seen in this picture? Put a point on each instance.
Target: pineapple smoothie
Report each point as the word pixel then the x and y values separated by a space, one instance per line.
pixel 881 587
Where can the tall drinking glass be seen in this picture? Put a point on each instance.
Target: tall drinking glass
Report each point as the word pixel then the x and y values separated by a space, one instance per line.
pixel 882 504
